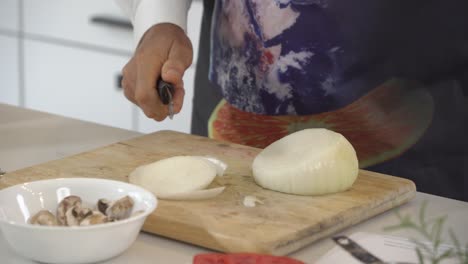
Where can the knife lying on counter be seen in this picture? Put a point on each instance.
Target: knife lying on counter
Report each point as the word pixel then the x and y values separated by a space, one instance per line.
pixel 360 253
pixel 165 92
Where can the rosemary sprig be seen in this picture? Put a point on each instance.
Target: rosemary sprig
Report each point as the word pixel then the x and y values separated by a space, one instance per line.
pixel 431 230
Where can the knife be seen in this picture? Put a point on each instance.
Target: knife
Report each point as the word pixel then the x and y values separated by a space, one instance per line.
pixel 165 92
pixel 360 253
pixel 356 250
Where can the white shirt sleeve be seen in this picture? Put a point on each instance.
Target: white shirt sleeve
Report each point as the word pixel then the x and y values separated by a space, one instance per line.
pixel 146 13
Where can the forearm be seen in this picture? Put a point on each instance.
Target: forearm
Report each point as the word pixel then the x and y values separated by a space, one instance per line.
pixel 146 13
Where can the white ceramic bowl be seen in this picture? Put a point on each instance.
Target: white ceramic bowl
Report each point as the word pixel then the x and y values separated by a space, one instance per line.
pixel 62 244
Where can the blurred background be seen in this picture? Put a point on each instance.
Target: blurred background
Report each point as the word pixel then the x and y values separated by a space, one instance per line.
pixel 65 57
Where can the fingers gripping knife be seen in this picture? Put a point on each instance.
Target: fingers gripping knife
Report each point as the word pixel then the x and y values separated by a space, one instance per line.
pixel 166 92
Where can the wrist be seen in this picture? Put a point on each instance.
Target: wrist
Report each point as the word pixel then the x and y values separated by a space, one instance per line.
pixel 154 12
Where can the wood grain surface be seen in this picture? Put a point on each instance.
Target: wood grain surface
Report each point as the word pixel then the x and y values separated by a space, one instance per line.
pixel 281 225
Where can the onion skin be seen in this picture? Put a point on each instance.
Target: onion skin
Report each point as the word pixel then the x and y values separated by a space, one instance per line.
pixel 308 162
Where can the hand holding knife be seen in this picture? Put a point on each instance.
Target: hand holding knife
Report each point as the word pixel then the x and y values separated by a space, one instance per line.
pixel 165 92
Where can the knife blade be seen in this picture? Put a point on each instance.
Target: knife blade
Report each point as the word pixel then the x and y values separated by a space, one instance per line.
pixel 165 92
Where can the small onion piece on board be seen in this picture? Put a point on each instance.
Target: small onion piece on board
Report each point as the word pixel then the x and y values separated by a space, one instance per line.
pixel 251 201
pixel 180 177
pixel 308 162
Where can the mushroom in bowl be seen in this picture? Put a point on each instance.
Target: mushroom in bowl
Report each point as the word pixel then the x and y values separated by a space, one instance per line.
pixel 59 220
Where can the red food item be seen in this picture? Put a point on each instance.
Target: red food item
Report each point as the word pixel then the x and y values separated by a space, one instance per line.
pixel 242 258
pixel 380 125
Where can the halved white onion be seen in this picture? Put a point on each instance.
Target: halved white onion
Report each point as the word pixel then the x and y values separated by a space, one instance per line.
pixel 308 162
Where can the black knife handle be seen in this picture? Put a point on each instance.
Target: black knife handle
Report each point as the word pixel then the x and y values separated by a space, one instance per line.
pixel 164 88
pixel 356 250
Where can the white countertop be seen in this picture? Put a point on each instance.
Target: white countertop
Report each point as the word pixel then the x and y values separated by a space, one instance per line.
pixel 28 137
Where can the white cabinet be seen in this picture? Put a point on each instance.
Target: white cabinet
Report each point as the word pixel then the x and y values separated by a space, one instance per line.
pixel 71 20
pixel 9 19
pixel 181 121
pixel 9 54
pixel 9 89
pixel 75 83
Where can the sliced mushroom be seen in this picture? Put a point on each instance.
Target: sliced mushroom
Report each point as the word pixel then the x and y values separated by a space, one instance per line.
pixel 120 209
pixel 67 203
pixel 76 214
pixel 43 217
pixel 71 212
pixel 103 204
pixel 94 218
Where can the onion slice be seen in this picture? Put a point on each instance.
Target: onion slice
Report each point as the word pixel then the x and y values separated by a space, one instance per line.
pixel 180 177
pixel 195 195
pixel 220 165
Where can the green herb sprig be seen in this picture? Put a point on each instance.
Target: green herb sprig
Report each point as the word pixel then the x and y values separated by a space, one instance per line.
pixel 431 230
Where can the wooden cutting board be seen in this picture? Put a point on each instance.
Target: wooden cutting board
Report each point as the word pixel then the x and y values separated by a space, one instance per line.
pixel 282 224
